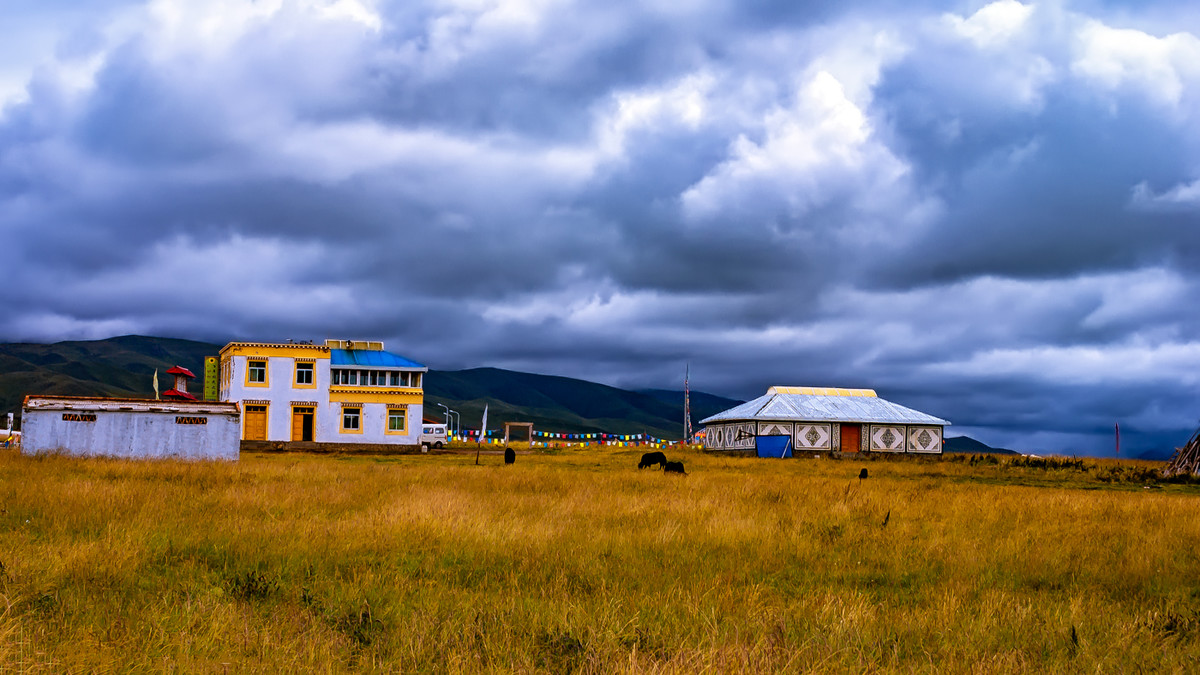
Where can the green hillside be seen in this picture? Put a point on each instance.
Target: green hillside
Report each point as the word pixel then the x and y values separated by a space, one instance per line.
pixel 122 366
pixel 557 403
pixel 703 405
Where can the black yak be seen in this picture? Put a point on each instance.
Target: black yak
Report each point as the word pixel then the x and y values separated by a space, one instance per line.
pixel 652 458
pixel 674 467
pixel 510 457
pixel 862 474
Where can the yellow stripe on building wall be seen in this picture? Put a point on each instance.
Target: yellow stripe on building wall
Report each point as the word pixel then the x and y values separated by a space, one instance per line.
pixel 268 350
pixel 375 395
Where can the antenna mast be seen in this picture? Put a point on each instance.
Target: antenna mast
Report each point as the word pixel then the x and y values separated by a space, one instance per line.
pixel 687 406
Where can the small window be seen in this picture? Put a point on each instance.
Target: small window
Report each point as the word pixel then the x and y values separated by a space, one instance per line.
pixel 416 379
pixel 374 378
pixel 351 418
pixel 397 418
pixel 257 373
pixel 350 377
pixel 395 381
pixel 304 373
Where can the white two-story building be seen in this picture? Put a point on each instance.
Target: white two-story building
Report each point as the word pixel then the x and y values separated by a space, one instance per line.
pixel 344 393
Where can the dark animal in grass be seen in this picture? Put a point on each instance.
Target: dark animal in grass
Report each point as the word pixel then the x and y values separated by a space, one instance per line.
pixel 509 456
pixel 674 467
pixel 862 474
pixel 652 458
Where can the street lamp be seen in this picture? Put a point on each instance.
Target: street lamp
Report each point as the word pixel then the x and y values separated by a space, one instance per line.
pixel 447 409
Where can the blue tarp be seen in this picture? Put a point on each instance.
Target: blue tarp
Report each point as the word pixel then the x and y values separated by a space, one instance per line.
pixel 774 446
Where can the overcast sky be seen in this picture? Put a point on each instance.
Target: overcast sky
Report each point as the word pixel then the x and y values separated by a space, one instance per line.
pixel 988 212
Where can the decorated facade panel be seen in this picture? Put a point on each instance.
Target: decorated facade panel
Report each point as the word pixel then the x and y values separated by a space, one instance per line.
pixel 743 436
pixel 925 439
pixel 813 437
pixel 887 438
pixel 775 428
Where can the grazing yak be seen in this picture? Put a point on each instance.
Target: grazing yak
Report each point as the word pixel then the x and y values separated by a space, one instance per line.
pixel 510 457
pixel 674 467
pixel 652 458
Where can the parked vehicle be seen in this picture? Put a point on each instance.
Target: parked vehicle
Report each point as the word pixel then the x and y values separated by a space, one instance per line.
pixel 433 436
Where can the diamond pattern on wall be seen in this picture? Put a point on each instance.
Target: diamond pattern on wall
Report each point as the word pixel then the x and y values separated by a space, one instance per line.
pixel 925 439
pixel 887 439
pixel 812 436
pixel 775 429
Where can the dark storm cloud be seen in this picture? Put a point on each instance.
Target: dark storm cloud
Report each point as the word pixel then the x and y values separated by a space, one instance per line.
pixel 987 211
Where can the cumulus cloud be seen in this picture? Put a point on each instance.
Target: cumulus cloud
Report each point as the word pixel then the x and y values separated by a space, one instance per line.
pixel 987 213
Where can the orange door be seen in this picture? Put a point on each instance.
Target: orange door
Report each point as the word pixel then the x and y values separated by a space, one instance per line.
pixel 256 423
pixel 302 424
pixel 851 436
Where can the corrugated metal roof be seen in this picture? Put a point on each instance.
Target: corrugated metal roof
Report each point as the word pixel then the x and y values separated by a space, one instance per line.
pixel 369 358
pixel 778 405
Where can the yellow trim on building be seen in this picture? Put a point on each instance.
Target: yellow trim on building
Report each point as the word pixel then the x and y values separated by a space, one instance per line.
pixel 312 369
pixel 822 391
pixel 342 423
pixel 374 395
pixel 272 349
pixel 266 372
pixel 387 420
pixel 248 414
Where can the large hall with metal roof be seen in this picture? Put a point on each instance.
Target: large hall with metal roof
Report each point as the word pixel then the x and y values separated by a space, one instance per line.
pixel 789 420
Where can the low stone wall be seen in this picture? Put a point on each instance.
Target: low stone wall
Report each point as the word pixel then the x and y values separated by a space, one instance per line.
pixel 314 447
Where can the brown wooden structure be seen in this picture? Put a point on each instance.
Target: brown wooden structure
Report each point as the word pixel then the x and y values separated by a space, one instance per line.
pixel 509 425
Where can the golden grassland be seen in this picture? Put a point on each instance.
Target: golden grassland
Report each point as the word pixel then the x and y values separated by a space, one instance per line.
pixel 579 562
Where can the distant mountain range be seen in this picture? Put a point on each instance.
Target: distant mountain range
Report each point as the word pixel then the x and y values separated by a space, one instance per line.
pixel 123 366
pixel 968 445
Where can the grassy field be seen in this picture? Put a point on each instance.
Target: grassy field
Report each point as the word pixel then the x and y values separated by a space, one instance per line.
pixel 580 562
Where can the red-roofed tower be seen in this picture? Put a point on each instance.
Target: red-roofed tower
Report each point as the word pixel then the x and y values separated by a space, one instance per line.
pixel 179 389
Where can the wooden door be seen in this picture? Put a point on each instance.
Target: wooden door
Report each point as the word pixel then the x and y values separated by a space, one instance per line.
pixel 255 423
pixel 851 437
pixel 302 424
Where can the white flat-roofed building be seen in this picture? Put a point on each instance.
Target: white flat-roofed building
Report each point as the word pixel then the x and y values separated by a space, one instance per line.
pixel 342 393
pixel 130 427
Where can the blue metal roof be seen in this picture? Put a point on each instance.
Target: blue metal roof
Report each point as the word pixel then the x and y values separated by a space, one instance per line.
pixel 369 358
pixel 818 408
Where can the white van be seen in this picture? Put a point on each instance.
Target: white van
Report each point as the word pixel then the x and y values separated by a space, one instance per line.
pixel 433 436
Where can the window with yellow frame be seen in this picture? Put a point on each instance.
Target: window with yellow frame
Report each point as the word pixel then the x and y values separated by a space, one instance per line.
pixel 397 419
pixel 256 372
pixel 304 374
pixel 352 418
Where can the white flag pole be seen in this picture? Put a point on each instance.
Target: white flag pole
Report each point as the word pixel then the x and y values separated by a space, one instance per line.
pixel 482 433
